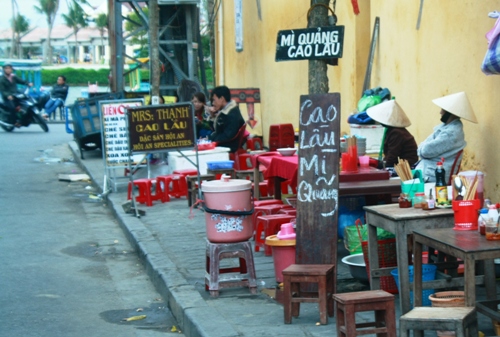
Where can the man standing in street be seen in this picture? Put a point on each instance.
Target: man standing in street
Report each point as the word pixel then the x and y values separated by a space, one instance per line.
pixel 58 95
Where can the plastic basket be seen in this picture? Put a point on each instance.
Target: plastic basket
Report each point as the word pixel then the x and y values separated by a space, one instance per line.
pixel 428 274
pixel 221 165
pixel 465 214
pixel 387 257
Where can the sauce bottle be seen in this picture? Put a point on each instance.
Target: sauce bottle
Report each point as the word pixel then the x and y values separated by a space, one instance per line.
pixel 431 204
pixel 481 221
pixel 441 188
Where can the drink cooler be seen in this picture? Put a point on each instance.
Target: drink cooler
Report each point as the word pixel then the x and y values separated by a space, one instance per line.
pixel 228 209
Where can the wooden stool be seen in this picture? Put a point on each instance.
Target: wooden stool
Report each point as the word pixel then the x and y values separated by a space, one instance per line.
pixel 456 319
pixel 215 252
pixel 294 275
pixel 348 304
pixel 267 225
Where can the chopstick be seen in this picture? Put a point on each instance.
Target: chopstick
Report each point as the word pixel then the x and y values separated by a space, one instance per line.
pixel 403 169
pixel 471 192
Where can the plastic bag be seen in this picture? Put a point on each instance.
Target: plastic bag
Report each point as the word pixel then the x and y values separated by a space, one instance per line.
pixel 352 240
pixel 368 101
pixel 491 61
pixel 360 118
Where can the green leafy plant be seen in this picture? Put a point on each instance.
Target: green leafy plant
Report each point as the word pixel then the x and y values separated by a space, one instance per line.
pixel 75 77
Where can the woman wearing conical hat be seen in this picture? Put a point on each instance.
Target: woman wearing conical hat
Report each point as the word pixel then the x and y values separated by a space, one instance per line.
pixel 398 142
pixel 448 138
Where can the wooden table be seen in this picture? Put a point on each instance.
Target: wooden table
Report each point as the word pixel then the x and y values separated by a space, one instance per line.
pixel 401 222
pixel 279 169
pixel 469 246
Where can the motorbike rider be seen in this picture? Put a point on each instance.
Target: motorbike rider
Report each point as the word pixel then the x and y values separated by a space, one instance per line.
pixel 8 89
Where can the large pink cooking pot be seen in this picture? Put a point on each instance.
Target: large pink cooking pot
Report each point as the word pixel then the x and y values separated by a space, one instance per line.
pixel 228 209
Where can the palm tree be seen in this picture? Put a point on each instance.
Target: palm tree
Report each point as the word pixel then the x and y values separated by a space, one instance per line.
pixel 101 23
pixel 49 8
pixel 134 27
pixel 75 19
pixel 21 25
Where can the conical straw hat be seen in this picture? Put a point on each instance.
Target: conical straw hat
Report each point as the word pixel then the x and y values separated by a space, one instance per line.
pixel 389 113
pixel 457 104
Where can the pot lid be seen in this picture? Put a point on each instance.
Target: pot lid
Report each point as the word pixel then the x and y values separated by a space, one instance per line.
pixel 226 185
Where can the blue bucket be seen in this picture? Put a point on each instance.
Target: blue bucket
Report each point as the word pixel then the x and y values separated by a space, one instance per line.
pixel 428 274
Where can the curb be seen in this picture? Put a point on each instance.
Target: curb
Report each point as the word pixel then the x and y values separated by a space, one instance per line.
pixel 195 317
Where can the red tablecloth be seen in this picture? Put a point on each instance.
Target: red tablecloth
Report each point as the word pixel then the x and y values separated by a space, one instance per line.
pixel 273 165
pixel 286 168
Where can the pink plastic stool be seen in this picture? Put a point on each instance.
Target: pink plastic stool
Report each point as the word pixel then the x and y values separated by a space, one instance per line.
pixel 174 185
pixel 268 225
pixel 246 277
pixel 145 196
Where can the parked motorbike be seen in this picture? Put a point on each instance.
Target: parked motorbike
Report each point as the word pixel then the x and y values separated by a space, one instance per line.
pixel 27 111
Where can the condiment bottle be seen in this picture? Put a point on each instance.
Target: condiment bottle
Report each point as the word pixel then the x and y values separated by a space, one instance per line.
pixel 481 221
pixel 493 213
pixel 431 204
pixel 441 188
pixel 418 199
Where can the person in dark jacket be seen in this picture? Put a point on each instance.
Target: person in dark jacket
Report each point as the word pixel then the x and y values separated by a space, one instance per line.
pixel 58 95
pixel 8 89
pixel 227 118
pixel 398 142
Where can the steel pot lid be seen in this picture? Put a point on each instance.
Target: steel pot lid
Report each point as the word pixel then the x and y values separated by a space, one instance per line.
pixel 226 185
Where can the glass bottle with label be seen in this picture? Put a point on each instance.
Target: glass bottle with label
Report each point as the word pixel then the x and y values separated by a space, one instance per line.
pixel 441 188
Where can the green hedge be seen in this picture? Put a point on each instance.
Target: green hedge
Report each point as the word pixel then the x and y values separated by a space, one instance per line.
pixel 75 76
pixel 81 77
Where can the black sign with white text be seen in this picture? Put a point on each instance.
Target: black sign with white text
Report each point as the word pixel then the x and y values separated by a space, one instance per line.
pixel 310 44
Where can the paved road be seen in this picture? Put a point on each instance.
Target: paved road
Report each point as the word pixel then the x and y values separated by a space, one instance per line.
pixel 67 269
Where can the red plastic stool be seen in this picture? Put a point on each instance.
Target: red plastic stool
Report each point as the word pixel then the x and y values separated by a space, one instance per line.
pixel 268 225
pixel 266 210
pixel 145 196
pixel 254 144
pixel 215 252
pixel 285 185
pixel 186 172
pixel 289 211
pixel 263 190
pixel 174 185
pixel 258 203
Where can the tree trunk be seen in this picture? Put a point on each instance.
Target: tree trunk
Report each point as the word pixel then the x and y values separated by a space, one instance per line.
pixel 318 79
pixel 49 46
pixel 154 54
pixel 12 25
pixel 211 32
